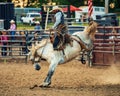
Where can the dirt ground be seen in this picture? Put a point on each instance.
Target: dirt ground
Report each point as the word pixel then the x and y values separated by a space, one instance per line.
pixel 71 79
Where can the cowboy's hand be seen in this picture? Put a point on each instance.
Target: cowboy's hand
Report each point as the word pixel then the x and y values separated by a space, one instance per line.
pixel 51 29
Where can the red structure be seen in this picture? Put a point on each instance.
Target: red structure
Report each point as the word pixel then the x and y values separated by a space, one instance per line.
pixel 90 8
pixel 106 49
pixel 72 9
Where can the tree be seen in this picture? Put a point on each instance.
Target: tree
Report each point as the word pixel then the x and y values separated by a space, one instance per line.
pixel 76 3
pixel 5 0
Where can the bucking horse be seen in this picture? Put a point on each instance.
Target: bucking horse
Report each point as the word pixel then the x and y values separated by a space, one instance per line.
pixel 81 41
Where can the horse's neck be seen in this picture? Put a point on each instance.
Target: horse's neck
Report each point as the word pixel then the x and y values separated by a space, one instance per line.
pixel 45 50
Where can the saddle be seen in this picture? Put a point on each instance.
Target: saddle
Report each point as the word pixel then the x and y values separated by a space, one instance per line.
pixel 60 41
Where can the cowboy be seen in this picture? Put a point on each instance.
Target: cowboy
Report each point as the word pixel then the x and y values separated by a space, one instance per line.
pixel 59 26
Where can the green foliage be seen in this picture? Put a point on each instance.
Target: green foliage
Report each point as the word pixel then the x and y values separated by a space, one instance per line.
pixel 98 2
pixel 21 26
pixel 43 2
pixel 76 3
pixel 3 0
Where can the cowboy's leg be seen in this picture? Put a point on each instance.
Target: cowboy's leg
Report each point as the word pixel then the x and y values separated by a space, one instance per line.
pixel 56 41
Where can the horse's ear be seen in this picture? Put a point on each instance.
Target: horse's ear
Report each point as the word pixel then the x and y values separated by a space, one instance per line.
pixel 36 43
pixel 28 47
pixel 33 45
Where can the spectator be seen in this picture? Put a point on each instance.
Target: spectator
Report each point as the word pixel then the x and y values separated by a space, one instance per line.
pixel 12 29
pixel 37 26
pixel 4 42
pixel 12 33
pixel 37 33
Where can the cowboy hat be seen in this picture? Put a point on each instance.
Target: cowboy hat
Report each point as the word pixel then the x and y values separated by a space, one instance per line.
pixel 37 22
pixel 55 8
pixel 12 21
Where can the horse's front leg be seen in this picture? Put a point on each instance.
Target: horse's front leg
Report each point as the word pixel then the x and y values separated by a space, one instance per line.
pixel 51 70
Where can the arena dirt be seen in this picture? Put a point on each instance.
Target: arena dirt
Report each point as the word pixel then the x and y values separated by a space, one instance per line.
pixel 71 79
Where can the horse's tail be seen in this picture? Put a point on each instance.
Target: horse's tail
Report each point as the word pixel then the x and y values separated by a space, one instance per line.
pixel 91 29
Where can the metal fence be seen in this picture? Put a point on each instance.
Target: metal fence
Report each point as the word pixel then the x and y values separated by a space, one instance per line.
pixel 107 46
pixel 1 24
pixel 16 46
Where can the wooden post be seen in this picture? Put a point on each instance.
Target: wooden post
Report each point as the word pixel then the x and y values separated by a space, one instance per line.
pixel 68 15
pixel 46 18
pixel 106 6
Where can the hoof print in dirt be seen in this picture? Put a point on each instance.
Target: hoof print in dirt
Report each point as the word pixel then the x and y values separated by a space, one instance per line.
pixel 33 86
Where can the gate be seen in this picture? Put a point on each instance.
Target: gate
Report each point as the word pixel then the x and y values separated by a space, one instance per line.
pixel 106 49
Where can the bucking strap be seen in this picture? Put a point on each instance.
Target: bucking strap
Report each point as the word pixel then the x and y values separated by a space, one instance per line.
pixel 82 44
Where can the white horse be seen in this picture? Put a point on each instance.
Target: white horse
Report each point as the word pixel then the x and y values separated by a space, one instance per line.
pixel 81 40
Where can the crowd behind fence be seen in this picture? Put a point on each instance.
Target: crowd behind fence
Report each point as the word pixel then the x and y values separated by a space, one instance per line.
pixel 18 47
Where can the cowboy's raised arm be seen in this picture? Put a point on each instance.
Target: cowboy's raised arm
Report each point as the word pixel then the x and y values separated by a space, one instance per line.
pixel 58 20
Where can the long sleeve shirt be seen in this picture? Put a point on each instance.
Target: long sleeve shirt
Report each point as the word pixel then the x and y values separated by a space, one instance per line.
pixel 4 38
pixel 58 16
pixel 12 27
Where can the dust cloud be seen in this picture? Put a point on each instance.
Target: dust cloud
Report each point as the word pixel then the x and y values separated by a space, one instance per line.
pixel 111 75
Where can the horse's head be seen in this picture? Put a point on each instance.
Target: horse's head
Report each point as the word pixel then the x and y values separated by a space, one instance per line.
pixel 33 58
pixel 32 52
pixel 36 52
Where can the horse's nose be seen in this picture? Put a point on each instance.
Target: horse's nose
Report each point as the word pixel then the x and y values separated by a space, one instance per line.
pixel 31 59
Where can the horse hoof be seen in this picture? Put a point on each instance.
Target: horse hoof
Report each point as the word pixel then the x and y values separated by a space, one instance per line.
pixel 83 62
pixel 45 85
pixel 37 67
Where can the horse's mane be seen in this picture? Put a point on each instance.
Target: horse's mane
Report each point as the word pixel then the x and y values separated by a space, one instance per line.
pixel 91 29
pixel 41 43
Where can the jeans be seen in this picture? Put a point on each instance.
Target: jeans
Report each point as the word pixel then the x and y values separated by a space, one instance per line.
pixel 12 33
pixel 4 49
pixel 56 42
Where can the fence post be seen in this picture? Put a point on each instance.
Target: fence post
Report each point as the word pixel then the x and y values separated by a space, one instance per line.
pixel 26 45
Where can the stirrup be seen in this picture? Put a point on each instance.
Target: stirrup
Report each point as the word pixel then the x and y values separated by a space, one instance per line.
pixel 55 49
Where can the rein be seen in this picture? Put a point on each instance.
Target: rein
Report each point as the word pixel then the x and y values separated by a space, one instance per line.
pixel 36 55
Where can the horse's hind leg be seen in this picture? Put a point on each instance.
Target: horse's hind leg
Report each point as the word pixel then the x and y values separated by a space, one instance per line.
pixel 89 57
pixel 82 59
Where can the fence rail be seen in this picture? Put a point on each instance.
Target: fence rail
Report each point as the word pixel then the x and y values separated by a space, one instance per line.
pixel 107 46
pixel 16 46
